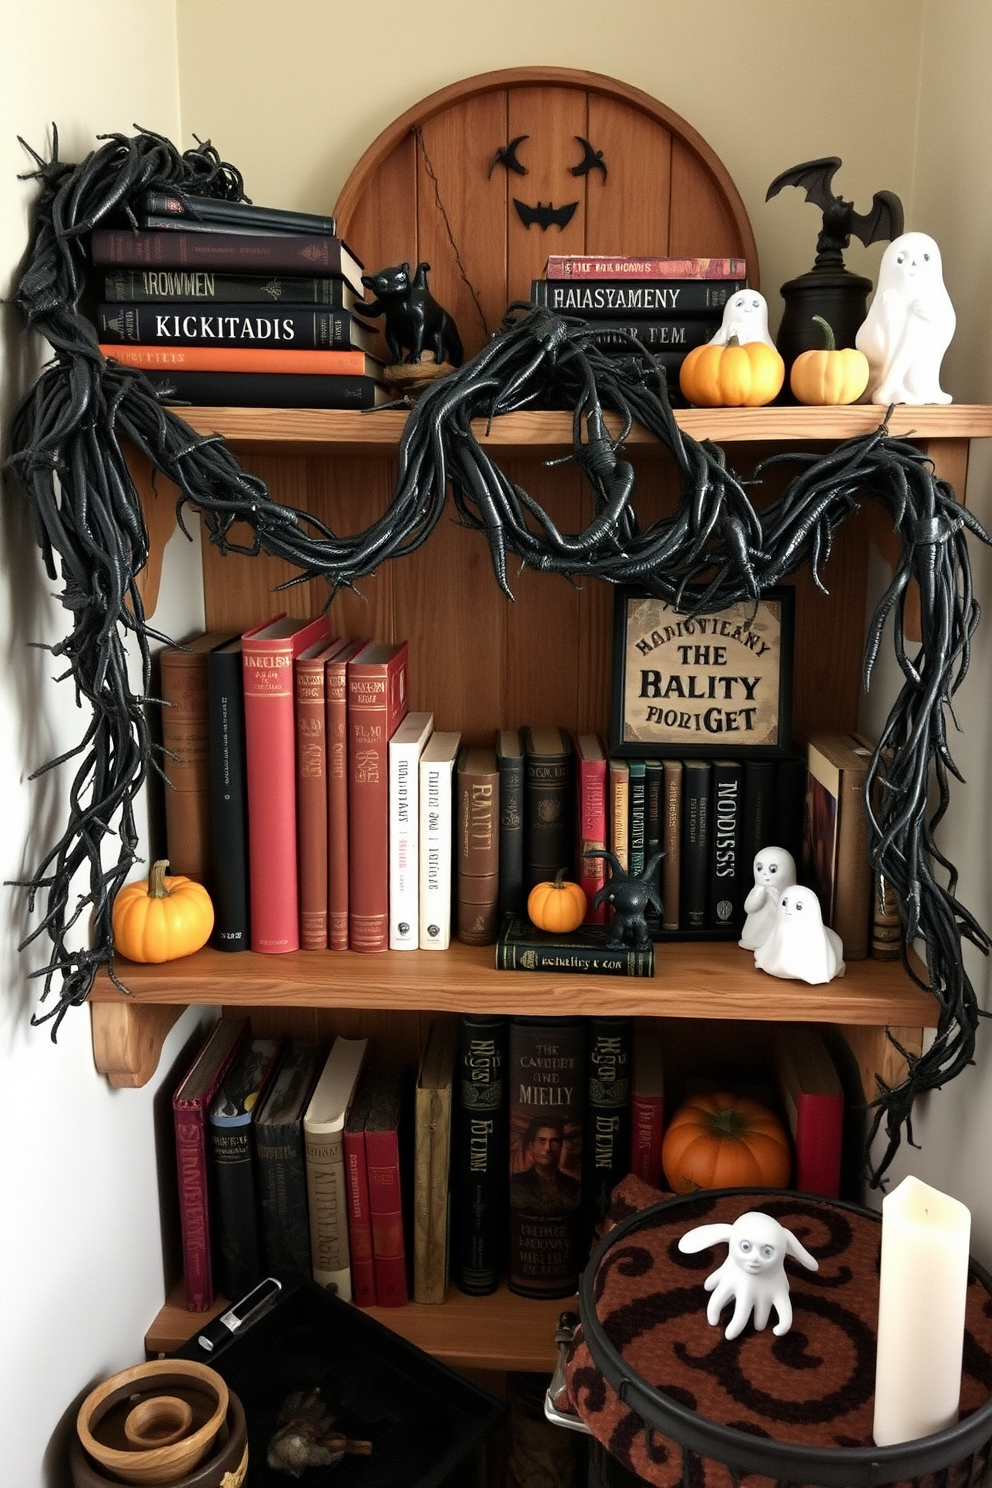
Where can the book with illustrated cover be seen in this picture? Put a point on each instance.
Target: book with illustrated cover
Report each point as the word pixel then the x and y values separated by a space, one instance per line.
pixel 620 266
pixel 186 740
pixel 478 1161
pixel 606 1148
pixel 282 1177
pixel 405 749
pixel 476 856
pixel 546 1078
pixel 522 947
pixel 549 812
pixel 143 286
pixel 432 1162
pixel 510 764
pixel 835 862
pixel 228 798
pixel 593 808
pixel 323 1137
pixel 378 699
pixel 311 790
pixel 191 1104
pixel 235 1164
pixel 189 324
pixel 607 299
pixel 247 253
pixel 437 813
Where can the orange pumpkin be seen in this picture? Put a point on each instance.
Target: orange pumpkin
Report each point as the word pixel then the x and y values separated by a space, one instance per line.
pixel 559 907
pixel 722 1140
pixel 831 376
pixel 737 375
pixel 161 918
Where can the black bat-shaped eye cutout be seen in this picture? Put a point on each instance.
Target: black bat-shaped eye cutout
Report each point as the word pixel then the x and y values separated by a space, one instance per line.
pixel 506 155
pixel 545 216
pixel 591 159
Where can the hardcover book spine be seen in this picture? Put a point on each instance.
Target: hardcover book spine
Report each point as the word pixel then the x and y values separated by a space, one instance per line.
pixel 382 1156
pixel 405 749
pixel 432 1165
pixel 671 841
pixel 265 389
pixel 647 1109
pixel 371 720
pixel 606 299
pixel 186 738
pixel 853 893
pixel 619 844
pixel 247 359
pixel 592 266
pixel 336 733
pixel 549 813
pixel 167 285
pixel 477 847
pixel 520 949
pixel 606 1149
pixel 240 1251
pixel 436 827
pixel 479 1153
pixel 287 327
pixel 696 838
pixel 282 1193
pixel 637 807
pixel 758 825
pixel 327 1201
pixel 790 799
pixel 311 801
pixel 250 253
pixel 208 210
pixel 669 340
pixel 592 833
pixel 510 763
pixel 654 776
pixel 726 903
pixel 228 799
pixel 359 1218
pixel 547 1099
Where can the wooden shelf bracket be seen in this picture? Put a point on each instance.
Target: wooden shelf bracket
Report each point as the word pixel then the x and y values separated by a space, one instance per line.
pixel 128 1039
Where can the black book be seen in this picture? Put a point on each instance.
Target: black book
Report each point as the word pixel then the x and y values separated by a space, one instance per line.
pixel 549 810
pixel 228 799
pixel 267 390
pixel 522 947
pixel 282 1178
pixel 478 1155
pixel 637 809
pixel 162 286
pixel 759 821
pixel 613 299
pixel 606 1149
pixel 696 837
pixel 191 324
pixel 668 340
pixel 226 252
pixel 546 1077
pixel 232 1150
pixel 790 804
pixel 726 905
pixel 188 208
pixel 510 767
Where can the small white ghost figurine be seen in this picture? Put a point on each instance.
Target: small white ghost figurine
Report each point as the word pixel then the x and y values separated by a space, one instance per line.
pixel 909 326
pixel 753 1276
pixel 774 870
pixel 799 944
pixel 745 315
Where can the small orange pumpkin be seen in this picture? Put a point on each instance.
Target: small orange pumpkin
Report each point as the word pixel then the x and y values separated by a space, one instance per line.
pixel 737 375
pixel 162 918
pixel 832 375
pixel 722 1140
pixel 559 907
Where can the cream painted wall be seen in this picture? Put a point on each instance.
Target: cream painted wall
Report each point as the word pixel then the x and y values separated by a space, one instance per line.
pixel 281 90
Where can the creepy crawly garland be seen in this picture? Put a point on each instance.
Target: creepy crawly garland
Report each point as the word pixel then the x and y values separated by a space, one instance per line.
pixel 714 550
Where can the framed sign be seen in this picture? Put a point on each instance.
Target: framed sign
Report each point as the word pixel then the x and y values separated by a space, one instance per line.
pixel 707 684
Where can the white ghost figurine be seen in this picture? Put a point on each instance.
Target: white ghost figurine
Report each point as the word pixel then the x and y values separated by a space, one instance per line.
pixel 745 315
pixel 774 870
pixel 800 945
pixel 753 1276
pixel 909 326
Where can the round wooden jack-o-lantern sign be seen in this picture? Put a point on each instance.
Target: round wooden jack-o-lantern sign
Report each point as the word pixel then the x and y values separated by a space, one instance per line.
pixel 488 177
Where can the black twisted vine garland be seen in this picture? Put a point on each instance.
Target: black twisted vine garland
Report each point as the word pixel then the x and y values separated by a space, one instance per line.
pixel 712 551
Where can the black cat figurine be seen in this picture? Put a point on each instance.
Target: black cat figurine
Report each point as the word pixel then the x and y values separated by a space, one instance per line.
pixel 415 322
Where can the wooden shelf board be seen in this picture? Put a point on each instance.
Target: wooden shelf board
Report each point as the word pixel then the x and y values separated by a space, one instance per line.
pixel 309 430
pixel 703 979
pixel 499 1332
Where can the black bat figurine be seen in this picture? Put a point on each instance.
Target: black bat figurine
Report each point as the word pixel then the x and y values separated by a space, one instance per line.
pixel 840 221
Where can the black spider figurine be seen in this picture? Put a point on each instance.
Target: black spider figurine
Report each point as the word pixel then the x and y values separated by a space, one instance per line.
pixel 630 897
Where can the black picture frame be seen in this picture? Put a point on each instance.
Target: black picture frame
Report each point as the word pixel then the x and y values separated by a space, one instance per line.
pixel 679 683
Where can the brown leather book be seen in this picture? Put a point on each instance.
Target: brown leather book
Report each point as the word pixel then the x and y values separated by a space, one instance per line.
pixel 477 846
pixel 311 791
pixel 378 699
pixel 835 852
pixel 186 738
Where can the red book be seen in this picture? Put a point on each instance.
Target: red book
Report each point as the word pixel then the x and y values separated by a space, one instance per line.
pixel 592 820
pixel 647 1108
pixel 311 791
pixel 336 690
pixel 244 359
pixel 378 698
pixel 601 266
pixel 383 1139
pixel 268 653
pixel 191 1103
pixel 813 1100
pixel 356 1179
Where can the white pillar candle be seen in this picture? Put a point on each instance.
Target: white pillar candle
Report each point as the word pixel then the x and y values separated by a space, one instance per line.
pixel 921 1301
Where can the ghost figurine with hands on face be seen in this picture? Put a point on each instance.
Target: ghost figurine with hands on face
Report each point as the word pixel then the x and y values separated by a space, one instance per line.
pixel 774 871
pixel 800 946
pixel 745 315
pixel 909 325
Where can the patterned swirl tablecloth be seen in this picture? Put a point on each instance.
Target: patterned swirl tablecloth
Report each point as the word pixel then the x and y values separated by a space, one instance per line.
pixel 813 1387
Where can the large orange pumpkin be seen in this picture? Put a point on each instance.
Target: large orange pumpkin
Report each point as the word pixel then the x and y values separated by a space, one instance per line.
pixel 721 1140
pixel 736 375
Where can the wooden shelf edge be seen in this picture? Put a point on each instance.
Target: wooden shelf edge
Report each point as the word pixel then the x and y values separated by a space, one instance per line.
pixel 498 1332
pixel 128 1039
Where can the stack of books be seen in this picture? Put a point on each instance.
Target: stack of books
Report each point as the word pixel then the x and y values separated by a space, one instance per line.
pixel 226 303
pixel 665 306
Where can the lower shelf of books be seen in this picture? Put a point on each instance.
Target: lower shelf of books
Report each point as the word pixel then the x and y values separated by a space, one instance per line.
pixel 498 1332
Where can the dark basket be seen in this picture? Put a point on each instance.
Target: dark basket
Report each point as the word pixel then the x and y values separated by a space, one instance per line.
pixel 955 1457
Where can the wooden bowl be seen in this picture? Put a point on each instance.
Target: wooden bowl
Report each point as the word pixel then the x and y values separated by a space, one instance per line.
pixel 225 1467
pixel 129 1423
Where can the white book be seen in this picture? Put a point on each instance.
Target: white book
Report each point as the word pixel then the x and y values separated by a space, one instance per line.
pixel 404 830
pixel 437 768
pixel 323 1145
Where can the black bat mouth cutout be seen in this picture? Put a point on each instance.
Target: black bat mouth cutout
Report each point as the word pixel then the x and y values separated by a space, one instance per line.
pixel 545 216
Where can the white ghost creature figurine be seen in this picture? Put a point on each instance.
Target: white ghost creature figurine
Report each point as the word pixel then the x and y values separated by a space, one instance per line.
pixel 800 945
pixel 753 1276
pixel 745 315
pixel 909 326
pixel 774 870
